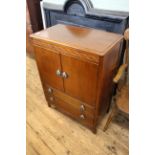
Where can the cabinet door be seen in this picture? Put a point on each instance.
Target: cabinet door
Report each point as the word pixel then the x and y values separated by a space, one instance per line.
pixel 48 63
pixel 82 79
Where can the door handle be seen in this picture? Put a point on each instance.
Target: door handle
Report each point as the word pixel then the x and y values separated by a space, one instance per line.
pixel 64 75
pixel 82 108
pixel 82 116
pixel 58 72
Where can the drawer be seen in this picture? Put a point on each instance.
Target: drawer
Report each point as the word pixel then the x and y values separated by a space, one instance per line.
pixel 70 106
pixel 66 108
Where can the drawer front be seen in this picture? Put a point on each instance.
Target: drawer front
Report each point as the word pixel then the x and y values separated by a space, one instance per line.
pixel 83 118
pixel 70 106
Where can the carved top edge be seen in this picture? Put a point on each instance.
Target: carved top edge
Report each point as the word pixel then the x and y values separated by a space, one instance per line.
pixel 89 10
pixel 87 5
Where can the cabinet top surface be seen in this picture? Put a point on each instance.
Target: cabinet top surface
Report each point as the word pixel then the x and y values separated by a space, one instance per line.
pixel 86 39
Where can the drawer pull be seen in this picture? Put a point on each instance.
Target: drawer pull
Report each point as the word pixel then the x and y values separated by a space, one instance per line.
pixel 64 75
pixel 82 108
pixel 50 90
pixel 82 116
pixel 58 72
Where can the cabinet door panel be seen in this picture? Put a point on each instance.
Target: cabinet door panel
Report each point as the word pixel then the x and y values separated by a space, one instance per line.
pixel 82 79
pixel 48 63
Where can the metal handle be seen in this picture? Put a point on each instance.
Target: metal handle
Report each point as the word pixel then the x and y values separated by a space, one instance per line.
pixel 64 75
pixel 50 90
pixel 82 108
pixel 58 72
pixel 82 116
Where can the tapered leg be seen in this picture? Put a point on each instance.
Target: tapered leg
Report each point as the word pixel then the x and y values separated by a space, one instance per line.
pixel 94 130
pixel 49 105
pixel 113 112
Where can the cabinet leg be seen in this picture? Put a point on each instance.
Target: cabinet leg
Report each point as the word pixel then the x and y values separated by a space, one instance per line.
pixel 49 105
pixel 94 130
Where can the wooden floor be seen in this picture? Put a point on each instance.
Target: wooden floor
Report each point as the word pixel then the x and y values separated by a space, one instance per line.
pixel 51 133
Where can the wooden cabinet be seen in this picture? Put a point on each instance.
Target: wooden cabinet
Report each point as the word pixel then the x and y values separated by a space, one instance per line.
pixel 76 67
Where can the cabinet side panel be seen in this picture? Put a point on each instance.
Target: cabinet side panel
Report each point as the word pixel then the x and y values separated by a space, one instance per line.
pixel 107 70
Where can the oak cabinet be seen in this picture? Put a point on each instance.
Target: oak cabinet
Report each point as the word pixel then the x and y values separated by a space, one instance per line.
pixel 76 67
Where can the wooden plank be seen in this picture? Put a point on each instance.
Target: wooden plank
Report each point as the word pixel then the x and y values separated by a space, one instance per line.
pixel 118 129
pixel 39 146
pixel 30 150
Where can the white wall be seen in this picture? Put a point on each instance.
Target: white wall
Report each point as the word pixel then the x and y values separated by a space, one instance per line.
pixel 116 5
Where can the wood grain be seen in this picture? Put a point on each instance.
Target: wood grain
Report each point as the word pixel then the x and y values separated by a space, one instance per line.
pixel 51 133
pixel 48 64
pixel 69 51
pixel 86 39
pixel 82 79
